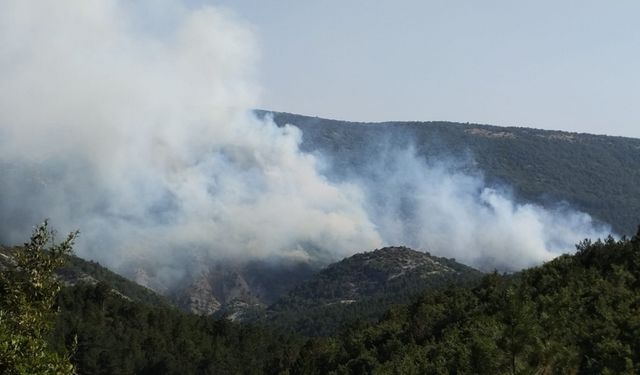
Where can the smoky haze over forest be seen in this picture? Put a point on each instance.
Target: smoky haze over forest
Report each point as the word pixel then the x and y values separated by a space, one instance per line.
pixel 142 137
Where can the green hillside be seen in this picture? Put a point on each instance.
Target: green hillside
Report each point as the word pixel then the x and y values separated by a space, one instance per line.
pixel 79 271
pixel 119 336
pixel 81 318
pixel 574 315
pixel 363 286
pixel 594 173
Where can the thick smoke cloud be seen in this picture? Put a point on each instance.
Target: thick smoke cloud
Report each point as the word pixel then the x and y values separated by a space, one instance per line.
pixel 445 207
pixel 143 139
pixel 134 126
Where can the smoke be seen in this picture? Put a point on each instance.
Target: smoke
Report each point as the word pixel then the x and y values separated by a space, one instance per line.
pixel 134 125
pixel 444 207
pixel 143 139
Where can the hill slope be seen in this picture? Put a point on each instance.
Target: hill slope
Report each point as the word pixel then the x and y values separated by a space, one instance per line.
pixel 225 286
pixel 363 286
pixel 596 174
pixel 390 270
pixel 78 271
pixel 574 315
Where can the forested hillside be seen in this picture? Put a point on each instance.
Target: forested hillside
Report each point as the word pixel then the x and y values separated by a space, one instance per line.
pixel 363 287
pixel 119 336
pixel 575 314
pixel 594 173
pixel 79 271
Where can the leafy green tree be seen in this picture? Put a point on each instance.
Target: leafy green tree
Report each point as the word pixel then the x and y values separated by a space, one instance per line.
pixel 28 288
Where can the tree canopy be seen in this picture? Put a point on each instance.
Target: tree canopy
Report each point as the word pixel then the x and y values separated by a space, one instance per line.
pixel 29 288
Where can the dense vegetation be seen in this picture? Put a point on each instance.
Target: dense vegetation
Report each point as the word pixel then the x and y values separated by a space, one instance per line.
pixel 76 270
pixel 597 174
pixel 575 314
pixel 28 289
pixel 101 323
pixel 118 336
pixel 363 287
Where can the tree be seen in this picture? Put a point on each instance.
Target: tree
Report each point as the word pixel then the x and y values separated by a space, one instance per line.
pixel 28 288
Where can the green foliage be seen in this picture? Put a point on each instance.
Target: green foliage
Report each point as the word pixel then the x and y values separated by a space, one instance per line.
pixel 120 336
pixel 363 287
pixel 76 268
pixel 575 314
pixel 29 287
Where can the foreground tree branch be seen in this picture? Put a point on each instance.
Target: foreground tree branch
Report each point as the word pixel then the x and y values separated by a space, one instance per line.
pixel 28 287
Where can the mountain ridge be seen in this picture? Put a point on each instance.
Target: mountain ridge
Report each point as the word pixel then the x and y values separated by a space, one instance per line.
pixel 596 174
pixel 262 112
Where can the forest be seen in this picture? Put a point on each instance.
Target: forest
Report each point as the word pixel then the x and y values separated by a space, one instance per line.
pixel 575 314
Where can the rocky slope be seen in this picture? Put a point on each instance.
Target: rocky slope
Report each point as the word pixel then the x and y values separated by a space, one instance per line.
pixel 227 287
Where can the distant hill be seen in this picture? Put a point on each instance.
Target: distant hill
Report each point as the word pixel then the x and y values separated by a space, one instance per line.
pixel 594 173
pixel 364 286
pixel 78 271
pixel 390 270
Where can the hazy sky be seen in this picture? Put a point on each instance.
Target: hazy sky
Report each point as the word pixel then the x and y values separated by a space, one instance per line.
pixel 570 65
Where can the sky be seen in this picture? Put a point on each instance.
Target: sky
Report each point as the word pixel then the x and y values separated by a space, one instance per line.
pixel 564 65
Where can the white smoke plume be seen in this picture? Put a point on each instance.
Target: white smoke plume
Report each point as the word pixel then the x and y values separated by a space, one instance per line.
pixel 134 125
pixel 447 209
pixel 143 139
